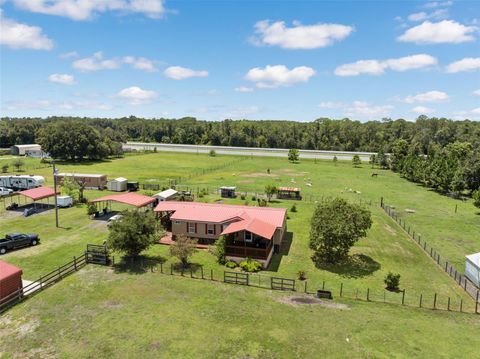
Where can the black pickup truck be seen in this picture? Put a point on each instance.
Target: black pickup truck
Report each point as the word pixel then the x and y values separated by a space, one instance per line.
pixel 18 240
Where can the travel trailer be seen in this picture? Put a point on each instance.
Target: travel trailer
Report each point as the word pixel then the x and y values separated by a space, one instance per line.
pixel 21 182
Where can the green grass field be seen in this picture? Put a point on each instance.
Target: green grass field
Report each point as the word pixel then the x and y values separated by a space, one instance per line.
pixel 377 328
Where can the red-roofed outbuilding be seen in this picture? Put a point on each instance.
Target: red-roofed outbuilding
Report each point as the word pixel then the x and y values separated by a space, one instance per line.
pixel 10 279
pixel 131 198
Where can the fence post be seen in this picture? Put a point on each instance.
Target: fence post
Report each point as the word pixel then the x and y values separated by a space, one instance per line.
pixel 75 263
pixel 305 289
pixel 435 301
pixel 171 269
pixel 403 297
pixel 323 285
pixel 202 271
pixel 446 266
pixel 368 294
pixel 161 267
pixel 448 304
pixel 476 303
pixel 421 297
pixel 461 305
pixel 211 274
pixel 341 289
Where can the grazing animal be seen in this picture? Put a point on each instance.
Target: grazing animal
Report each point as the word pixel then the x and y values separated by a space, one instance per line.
pixel 374 174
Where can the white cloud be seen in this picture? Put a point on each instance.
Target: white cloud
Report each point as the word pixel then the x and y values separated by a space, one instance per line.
pixel 182 73
pixel 430 96
pixel 466 64
pixel 140 63
pixel 97 62
pixel 331 104
pixel 69 55
pixel 21 36
pixel 299 36
pixel 434 4
pixel 278 75
pixel 244 89
pixel 473 114
pixel 364 110
pixel 421 110
pixel 421 16
pixel 446 31
pixel 476 92
pixel 64 79
pixel 87 9
pixel 137 96
pixel 378 67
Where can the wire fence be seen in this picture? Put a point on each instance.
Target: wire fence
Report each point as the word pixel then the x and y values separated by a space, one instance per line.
pixel 440 260
pixel 432 300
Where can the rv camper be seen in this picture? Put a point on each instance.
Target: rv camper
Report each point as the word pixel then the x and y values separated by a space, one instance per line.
pixel 21 182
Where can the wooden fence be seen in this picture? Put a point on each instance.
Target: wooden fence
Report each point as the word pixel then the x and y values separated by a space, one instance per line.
pixel 432 300
pixel 440 260
pixel 43 282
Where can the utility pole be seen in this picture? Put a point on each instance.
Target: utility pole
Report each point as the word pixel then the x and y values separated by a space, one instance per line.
pixel 55 172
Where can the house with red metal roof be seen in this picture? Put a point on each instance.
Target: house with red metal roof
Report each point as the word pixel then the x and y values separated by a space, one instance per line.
pixel 250 232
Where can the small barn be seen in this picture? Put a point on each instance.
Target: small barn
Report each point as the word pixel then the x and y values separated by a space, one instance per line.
pixel 10 280
pixel 22 150
pixel 288 193
pixel 472 268
pixel 228 192
pixel 167 195
pixel 89 181
pixel 117 185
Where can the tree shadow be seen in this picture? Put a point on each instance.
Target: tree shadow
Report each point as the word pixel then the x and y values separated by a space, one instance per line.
pixel 284 250
pixel 138 265
pixel 355 266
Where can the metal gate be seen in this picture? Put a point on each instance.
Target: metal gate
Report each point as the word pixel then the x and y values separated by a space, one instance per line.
pixel 282 283
pixel 236 278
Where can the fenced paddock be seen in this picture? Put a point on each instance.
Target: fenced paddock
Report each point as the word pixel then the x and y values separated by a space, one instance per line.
pixel 440 260
pixel 430 300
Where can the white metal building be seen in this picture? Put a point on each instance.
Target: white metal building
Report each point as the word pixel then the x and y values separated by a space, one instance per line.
pixel 22 150
pixel 166 195
pixel 118 184
pixel 472 268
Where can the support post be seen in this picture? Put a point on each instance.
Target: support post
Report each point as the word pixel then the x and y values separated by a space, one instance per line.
pixel 341 289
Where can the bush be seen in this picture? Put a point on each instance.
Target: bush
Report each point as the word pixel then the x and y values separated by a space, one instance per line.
pixel 219 250
pixel 392 281
pixel 294 208
pixel 91 209
pixel 262 202
pixel 5 168
pixel 246 203
pixel 302 275
pixel 200 195
pixel 212 153
pixel 254 198
pixel 231 264
pixel 250 265
pixel 242 197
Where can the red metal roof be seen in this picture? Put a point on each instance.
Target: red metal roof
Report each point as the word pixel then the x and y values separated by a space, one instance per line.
pixel 221 213
pixel 38 193
pixel 131 198
pixel 8 270
pixel 255 225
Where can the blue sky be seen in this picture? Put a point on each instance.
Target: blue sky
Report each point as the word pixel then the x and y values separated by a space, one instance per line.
pixel 284 60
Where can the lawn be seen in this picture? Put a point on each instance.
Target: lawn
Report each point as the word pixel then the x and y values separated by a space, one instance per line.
pixel 99 313
pixel 386 248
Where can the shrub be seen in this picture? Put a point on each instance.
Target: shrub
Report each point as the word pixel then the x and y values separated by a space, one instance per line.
pixel 302 275
pixel 294 208
pixel 250 265
pixel 392 281
pixel 219 250
pixel 246 203
pixel 212 153
pixel 242 197
pixel 91 209
pixel 200 195
pixel 254 198
pixel 5 168
pixel 231 264
pixel 262 202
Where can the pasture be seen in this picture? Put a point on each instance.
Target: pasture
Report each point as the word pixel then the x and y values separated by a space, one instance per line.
pixel 208 307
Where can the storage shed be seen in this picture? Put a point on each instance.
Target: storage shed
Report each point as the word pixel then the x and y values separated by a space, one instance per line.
pixel 21 150
pixel 90 181
pixel 472 268
pixel 288 193
pixel 118 184
pixel 167 195
pixel 228 192
pixel 10 280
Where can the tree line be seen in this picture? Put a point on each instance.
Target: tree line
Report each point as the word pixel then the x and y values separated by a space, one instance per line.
pixel 321 134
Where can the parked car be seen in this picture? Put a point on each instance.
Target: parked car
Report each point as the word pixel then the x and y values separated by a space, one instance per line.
pixel 18 240
pixel 113 219
pixel 5 191
pixel 29 211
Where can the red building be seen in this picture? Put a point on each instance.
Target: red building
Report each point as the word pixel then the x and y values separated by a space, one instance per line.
pixel 10 279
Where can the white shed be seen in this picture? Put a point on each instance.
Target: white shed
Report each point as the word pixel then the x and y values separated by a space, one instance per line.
pixel 166 195
pixel 118 184
pixel 472 268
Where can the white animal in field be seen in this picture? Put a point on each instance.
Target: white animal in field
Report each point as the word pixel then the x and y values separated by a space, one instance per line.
pixel 309 184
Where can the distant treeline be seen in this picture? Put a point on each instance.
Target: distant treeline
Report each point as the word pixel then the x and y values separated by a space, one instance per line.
pixel 321 134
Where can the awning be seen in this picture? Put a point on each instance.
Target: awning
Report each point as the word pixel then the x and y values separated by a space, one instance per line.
pixel 133 199
pixel 256 226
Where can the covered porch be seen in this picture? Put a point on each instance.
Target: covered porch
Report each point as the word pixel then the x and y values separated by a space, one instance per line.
pixel 245 244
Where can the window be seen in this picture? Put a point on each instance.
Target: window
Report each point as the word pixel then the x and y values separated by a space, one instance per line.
pixel 211 229
pixel 191 228
pixel 178 222
pixel 248 236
